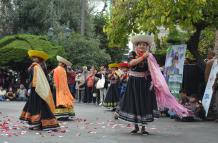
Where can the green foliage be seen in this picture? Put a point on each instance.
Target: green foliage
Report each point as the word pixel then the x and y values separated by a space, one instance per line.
pixel 84 51
pixel 7 14
pixel 37 16
pixel 160 55
pixel 64 12
pixel 207 41
pixel 118 27
pixel 147 15
pixel 116 53
pixel 13 49
pixel 31 16
pixel 177 36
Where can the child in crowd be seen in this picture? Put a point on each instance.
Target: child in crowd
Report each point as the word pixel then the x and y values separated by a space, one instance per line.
pixel 10 96
pixel 2 94
pixel 183 99
pixel 22 93
pixel 195 106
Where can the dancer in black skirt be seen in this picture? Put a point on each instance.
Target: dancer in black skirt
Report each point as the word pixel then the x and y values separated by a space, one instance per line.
pixel 38 110
pixel 112 98
pixel 138 102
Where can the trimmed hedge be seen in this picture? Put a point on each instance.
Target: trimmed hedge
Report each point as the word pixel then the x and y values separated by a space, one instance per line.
pixel 13 48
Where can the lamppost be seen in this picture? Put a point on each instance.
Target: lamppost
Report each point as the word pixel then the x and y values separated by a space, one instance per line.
pixel 50 33
pixel 66 32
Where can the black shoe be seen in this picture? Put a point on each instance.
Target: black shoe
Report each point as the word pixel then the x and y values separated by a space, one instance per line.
pixel 36 128
pixel 143 132
pixel 63 119
pixel 134 131
pixel 116 115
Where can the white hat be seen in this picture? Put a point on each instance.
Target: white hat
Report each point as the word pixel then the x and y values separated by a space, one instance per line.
pixel 85 68
pixel 64 61
pixel 142 38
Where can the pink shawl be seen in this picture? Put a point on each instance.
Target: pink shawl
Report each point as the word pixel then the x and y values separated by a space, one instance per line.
pixel 163 95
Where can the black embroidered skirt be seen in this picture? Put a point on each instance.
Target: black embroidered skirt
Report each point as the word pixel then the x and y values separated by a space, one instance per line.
pixel 37 112
pixel 138 102
pixel 112 97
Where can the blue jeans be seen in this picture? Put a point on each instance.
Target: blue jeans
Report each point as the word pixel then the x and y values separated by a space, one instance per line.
pixel 2 98
pixel 72 89
pixel 22 99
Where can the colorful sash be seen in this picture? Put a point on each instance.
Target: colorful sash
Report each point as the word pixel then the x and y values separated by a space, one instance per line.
pixel 42 87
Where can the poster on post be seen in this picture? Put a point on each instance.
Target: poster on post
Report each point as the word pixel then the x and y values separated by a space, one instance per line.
pixel 173 70
pixel 209 87
pixel 209 90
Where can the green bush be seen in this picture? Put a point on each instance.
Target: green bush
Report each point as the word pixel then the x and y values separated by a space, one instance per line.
pixel 13 49
pixel 81 50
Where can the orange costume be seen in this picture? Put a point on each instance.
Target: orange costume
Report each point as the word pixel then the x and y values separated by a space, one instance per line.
pixel 63 99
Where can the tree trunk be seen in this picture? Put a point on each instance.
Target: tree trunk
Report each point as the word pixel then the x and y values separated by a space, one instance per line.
pixel 193 43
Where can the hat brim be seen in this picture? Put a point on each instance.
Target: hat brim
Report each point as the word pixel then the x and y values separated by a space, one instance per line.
pixel 114 65
pixel 39 54
pixel 142 38
pixel 64 61
pixel 123 65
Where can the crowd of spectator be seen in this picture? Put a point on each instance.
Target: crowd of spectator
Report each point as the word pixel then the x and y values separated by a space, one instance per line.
pixel 82 83
pixel 21 94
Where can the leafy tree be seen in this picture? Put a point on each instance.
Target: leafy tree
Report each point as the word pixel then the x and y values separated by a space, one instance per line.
pixel 7 15
pixel 37 16
pixel 207 41
pixel 31 16
pixel 64 12
pixel 84 51
pixel 115 53
pixel 147 15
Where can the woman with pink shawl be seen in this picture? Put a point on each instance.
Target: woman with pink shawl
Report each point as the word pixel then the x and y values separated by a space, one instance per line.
pixel 145 81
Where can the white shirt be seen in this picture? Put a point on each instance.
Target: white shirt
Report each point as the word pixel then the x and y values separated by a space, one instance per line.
pixel 2 92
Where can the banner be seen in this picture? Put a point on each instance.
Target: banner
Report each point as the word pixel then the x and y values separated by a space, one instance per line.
pixel 209 91
pixel 173 70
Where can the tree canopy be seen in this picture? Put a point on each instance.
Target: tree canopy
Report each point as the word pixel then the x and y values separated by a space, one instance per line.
pixel 84 51
pixel 116 53
pixel 148 15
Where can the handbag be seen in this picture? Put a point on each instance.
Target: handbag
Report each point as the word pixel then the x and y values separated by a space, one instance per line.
pixel 100 83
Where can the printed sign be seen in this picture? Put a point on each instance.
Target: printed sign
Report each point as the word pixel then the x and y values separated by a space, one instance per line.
pixel 209 91
pixel 173 70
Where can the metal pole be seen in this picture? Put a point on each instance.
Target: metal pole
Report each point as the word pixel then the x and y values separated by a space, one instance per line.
pixel 82 26
pixel 216 44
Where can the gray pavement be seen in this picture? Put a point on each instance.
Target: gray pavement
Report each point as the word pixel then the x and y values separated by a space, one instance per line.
pixel 94 124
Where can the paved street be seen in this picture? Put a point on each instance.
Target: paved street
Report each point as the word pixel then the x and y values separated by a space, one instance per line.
pixel 94 124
